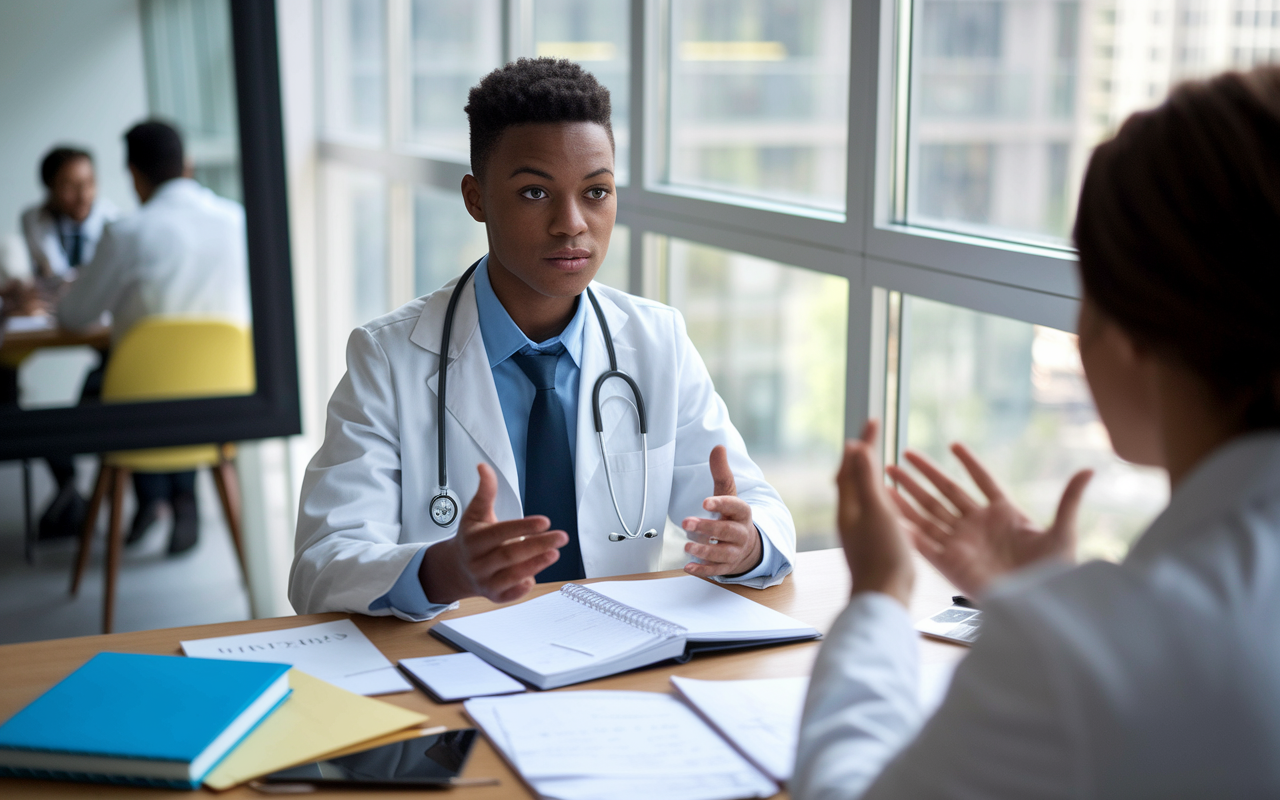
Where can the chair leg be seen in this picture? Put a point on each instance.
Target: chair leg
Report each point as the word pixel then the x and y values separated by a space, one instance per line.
pixel 228 483
pixel 106 476
pixel 115 542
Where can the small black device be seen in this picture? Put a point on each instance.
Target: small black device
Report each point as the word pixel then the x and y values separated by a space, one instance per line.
pixel 426 762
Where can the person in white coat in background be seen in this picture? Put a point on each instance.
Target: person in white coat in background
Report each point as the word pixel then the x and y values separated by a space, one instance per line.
pixel 381 528
pixel 1158 677
pixel 63 232
pixel 182 253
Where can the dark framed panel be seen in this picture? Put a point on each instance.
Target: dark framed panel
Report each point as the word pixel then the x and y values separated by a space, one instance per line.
pixel 273 410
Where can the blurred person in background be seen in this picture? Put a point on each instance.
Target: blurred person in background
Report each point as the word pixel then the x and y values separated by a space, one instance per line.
pixel 181 254
pixel 1153 677
pixel 63 232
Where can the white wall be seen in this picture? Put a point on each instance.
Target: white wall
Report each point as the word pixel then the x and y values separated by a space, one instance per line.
pixel 71 71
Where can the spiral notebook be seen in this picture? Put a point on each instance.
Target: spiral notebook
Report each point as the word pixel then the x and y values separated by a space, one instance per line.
pixel 581 633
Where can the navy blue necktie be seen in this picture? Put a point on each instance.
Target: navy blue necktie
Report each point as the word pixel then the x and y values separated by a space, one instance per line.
pixel 548 464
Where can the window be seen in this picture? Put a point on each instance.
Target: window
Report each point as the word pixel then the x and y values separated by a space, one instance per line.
pixel 354 69
pixel 1015 394
pixel 773 339
pixel 759 99
pixel 453 45
pixel 1002 75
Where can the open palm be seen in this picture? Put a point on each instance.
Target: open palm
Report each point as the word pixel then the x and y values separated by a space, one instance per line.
pixel 972 543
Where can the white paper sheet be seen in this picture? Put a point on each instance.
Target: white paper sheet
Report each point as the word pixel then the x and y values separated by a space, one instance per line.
pixel 22 324
pixel 761 717
pixel 460 675
pixel 617 745
pixel 336 652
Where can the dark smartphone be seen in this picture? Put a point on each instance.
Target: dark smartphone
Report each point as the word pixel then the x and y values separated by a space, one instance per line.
pixel 426 762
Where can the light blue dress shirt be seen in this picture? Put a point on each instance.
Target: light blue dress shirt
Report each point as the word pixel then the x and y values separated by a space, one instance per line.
pixel 503 339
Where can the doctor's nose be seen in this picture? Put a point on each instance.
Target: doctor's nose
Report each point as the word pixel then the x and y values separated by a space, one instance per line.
pixel 569 219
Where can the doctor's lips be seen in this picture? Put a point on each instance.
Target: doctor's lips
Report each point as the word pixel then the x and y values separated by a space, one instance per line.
pixel 569 258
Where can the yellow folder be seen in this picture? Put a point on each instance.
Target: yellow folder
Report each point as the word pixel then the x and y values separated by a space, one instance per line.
pixel 317 719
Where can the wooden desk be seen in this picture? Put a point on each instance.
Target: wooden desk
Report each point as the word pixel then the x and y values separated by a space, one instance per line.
pixel 815 593
pixel 17 345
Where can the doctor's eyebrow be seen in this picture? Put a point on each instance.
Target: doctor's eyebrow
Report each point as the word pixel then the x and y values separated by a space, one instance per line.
pixel 550 177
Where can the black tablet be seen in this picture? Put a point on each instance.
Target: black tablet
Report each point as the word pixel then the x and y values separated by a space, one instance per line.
pixel 427 761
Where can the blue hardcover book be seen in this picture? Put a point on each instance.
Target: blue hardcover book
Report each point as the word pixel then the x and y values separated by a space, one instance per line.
pixel 141 719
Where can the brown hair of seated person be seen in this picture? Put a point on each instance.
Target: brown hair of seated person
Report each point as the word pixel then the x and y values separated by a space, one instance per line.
pixel 1179 235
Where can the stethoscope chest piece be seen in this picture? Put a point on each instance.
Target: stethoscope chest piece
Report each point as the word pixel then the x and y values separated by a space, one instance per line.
pixel 618 537
pixel 444 508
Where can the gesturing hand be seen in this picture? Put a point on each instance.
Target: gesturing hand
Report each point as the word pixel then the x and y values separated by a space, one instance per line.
pixel 497 560
pixel 973 544
pixel 875 542
pixel 729 545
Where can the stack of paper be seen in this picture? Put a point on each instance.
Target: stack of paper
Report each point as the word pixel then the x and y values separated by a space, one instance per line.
pixel 336 652
pixel 618 745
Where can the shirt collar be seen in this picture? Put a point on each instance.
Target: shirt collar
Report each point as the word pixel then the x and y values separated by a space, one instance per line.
pixel 503 338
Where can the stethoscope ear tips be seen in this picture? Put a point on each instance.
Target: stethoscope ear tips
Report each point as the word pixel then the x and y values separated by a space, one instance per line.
pixel 616 537
pixel 649 534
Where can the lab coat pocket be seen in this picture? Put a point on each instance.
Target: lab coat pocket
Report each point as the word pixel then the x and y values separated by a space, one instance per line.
pixel 627 470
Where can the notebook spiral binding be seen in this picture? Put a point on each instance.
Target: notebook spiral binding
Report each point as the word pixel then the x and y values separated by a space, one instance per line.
pixel 632 616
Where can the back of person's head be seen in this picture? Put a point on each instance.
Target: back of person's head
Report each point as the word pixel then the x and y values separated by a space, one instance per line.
pixel 154 149
pixel 532 90
pixel 56 159
pixel 1178 231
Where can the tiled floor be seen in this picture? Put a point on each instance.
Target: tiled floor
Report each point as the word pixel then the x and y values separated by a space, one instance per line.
pixel 153 591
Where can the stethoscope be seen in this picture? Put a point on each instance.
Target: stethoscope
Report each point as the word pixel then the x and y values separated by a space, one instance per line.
pixel 445 504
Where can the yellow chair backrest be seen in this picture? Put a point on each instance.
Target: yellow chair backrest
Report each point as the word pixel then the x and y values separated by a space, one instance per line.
pixel 167 358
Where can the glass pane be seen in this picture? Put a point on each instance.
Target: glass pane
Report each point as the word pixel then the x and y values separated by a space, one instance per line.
pixel 353 66
pixel 1015 394
pixel 356 266
pixel 446 240
pixel 453 46
pixel 759 98
pixel 1008 97
pixel 616 269
pixel 597 35
pixel 773 338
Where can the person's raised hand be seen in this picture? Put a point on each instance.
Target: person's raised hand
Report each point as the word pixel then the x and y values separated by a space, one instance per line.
pixel 731 544
pixel 875 541
pixel 497 560
pixel 972 543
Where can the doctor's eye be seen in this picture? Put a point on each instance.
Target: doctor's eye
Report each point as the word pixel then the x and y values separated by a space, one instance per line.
pixel 598 193
pixel 534 193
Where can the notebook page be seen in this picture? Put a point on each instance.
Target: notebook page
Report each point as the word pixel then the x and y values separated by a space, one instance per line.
pixel 606 744
pixel 761 717
pixel 553 633
pixel 708 611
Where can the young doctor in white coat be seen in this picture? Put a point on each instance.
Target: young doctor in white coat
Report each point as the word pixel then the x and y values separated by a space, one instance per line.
pixel 382 531
pixel 1158 677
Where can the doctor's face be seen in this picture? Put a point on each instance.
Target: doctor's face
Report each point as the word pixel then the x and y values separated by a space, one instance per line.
pixel 74 189
pixel 548 202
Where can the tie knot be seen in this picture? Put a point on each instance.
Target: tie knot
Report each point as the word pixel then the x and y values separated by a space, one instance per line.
pixel 540 368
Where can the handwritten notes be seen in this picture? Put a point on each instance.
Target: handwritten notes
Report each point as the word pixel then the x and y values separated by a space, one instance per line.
pixel 336 652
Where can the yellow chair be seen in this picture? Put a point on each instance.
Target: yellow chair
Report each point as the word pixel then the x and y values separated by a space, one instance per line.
pixel 168 358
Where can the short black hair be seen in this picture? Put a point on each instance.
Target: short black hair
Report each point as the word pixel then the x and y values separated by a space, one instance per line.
pixel 56 159
pixel 532 90
pixel 155 149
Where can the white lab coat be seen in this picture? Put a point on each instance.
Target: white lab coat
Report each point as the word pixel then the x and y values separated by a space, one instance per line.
pixel 183 253
pixel 44 243
pixel 364 515
pixel 1155 678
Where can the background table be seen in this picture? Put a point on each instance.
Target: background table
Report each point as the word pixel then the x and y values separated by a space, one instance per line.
pixel 17 345
pixel 815 593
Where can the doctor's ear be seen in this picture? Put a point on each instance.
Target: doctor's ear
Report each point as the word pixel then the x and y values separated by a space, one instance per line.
pixel 473 197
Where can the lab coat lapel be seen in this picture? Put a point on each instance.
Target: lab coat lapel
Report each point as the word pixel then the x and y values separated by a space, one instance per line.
pixel 595 362
pixel 472 397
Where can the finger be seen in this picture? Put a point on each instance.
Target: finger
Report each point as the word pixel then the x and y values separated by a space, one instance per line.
pixel 720 472
pixel 926 526
pixel 480 509
pixel 1064 524
pixel 487 537
pixel 501 583
pixel 517 551
pixel 924 497
pixel 707 570
pixel 927 547
pixel 949 488
pixel 723 530
pixel 728 507
pixel 870 432
pixel 714 553
pixel 515 592
pixel 981 477
pixel 849 504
